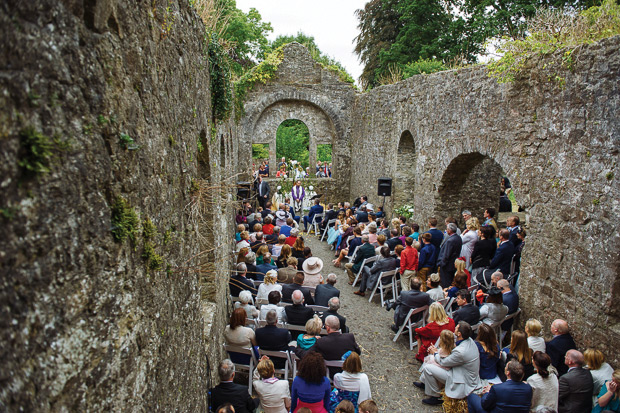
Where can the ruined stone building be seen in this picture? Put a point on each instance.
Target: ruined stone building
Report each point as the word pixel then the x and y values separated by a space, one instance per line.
pixel 114 180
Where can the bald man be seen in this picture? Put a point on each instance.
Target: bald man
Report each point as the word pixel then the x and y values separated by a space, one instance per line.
pixel 576 386
pixel 562 342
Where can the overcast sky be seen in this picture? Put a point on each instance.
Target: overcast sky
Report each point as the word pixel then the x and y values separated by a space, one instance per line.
pixel 332 23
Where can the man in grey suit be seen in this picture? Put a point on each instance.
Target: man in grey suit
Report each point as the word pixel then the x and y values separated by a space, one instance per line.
pixel 576 386
pixel 449 252
pixel 324 292
pixel 370 275
pixel 407 300
pixel 463 376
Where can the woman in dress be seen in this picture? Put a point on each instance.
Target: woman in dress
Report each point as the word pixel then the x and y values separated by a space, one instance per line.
pixel 438 321
pixel 519 350
pixel 494 309
pixel 273 393
pixel 351 384
pixel 483 252
pixel 460 266
pixel 245 302
pixel 601 371
pixel 609 398
pixel 245 240
pixel 285 253
pixel 298 251
pixel 489 354
pixel 334 232
pixel 459 283
pixel 545 386
pixel 267 226
pixel 275 250
pixel 344 249
pixel 313 331
pixel 311 387
pixel 269 284
pixel 241 254
pixel 236 333
pixel 469 238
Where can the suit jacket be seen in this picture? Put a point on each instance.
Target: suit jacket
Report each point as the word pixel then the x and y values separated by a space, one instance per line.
pixel 384 264
pixel 286 275
pixel 483 253
pixel 361 216
pixel 315 209
pixel 513 236
pixel 298 314
pixel 408 300
pixel 273 338
pixel 252 272
pixel 354 243
pixel 334 345
pixel 557 348
pixel 449 252
pixel 262 270
pixel 289 289
pixel 463 377
pixel 393 242
pixel 329 214
pixel 236 394
pixel 365 251
pixel 437 237
pixel 264 187
pixel 239 283
pixel 575 393
pixel 324 292
pixel 342 319
pixel 468 312
pixel 508 397
pixel 511 300
pixel 428 257
pixel 266 212
pixel 502 258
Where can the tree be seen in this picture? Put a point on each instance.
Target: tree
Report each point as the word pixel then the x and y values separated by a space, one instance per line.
pixel 292 140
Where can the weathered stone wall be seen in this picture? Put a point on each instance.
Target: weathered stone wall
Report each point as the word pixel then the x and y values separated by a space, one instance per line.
pixel 559 146
pixel 85 326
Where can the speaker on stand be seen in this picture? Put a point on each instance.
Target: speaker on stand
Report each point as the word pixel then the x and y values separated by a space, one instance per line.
pixel 243 190
pixel 384 188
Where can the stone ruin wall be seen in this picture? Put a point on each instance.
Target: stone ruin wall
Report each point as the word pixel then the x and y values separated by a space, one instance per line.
pixel 85 326
pixel 557 144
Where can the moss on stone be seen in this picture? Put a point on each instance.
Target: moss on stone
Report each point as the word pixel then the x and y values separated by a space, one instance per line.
pixel 125 222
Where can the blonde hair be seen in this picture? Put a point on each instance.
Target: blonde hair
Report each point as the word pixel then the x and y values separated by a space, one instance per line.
pixel 395 223
pixel 472 224
pixel 265 368
pixel 459 264
pixel 314 326
pixel 437 314
pixel 271 277
pixel 240 228
pixel 594 358
pixel 533 327
pixel 244 235
pixel 616 377
pixel 446 341
pixel 262 250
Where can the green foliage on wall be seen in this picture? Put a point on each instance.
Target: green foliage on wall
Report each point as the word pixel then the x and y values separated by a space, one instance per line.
pixel 36 152
pixel 221 87
pixel 125 222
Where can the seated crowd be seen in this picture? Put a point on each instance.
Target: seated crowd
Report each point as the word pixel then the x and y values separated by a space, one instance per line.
pixel 472 359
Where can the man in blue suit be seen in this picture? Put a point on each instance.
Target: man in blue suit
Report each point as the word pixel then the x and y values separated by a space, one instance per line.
pixel 316 209
pixel 562 342
pixel 449 252
pixel 436 235
pixel 511 300
pixel 512 396
pixel 503 255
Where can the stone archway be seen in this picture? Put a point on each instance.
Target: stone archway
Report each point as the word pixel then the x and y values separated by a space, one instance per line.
pixel 471 181
pixel 404 176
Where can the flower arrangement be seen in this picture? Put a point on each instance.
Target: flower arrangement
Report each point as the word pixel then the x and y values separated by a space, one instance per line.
pixel 404 211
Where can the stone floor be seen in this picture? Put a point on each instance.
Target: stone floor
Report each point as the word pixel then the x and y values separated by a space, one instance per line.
pixel 386 363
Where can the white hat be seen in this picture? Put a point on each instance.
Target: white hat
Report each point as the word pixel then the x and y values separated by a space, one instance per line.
pixel 312 265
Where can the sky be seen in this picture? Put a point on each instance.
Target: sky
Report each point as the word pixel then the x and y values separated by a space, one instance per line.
pixel 332 23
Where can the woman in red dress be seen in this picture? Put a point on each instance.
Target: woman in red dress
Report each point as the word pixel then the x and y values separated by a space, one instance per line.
pixel 438 321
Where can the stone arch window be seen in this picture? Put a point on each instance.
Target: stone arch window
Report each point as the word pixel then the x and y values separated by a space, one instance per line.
pixel 471 181
pixel 293 142
pixel 404 175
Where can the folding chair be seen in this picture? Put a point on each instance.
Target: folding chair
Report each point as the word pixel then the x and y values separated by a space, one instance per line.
pixel 332 363
pixel 509 317
pixel 263 323
pixel 448 306
pixel 352 257
pixel 250 322
pixel 257 283
pixel 385 280
pixel 330 224
pixel 235 353
pixel 260 302
pixel 316 220
pixel 411 326
pixel 283 355
pixel 364 263
pixel 318 308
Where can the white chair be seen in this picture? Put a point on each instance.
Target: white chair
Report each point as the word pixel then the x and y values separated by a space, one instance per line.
pixel 263 323
pixel 330 224
pixel 386 279
pixel 260 302
pixel 411 326
pixel 448 306
pixel 366 261
pixel 249 367
pixel 332 363
pixel 282 355
pixel 352 257
pixel 318 308
pixel 316 220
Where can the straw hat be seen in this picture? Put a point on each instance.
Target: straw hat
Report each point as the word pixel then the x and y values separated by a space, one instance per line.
pixel 435 278
pixel 312 265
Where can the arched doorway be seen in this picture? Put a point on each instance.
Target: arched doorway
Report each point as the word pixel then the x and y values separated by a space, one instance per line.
pixel 404 176
pixel 293 142
pixel 471 181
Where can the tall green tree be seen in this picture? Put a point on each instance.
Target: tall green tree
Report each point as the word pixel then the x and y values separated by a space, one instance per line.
pixel 292 140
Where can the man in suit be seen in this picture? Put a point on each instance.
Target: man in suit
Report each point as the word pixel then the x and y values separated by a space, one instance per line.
pixel 407 300
pixel 258 219
pixel 387 262
pixel 427 259
pixel 449 252
pixel 436 235
pixel 511 396
pixel 384 228
pixel 366 250
pixel 238 281
pixel 503 255
pixel 394 239
pixel 254 246
pixel 461 378
pixel 267 210
pixel 289 289
pixel 362 214
pixel 512 224
pixel 298 313
pixel 334 306
pixel 265 266
pixel 329 215
pixel 229 392
pixel 576 386
pixel 263 191
pixel 511 300
pixel 467 311
pixel 324 292
pixel 335 343
pixel 315 209
pixel 562 342
pixel 273 338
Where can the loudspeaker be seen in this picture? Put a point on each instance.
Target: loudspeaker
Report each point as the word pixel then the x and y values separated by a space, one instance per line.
pixel 384 186
pixel 243 190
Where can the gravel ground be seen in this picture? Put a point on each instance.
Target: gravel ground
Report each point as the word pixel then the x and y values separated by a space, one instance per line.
pixel 385 362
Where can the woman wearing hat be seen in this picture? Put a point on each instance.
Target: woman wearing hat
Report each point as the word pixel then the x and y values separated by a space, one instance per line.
pixel 312 267
pixel 494 309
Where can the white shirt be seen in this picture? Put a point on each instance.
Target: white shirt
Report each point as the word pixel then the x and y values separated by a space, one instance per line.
pixel 544 391
pixel 265 308
pixel 265 289
pixel 436 293
pixel 273 394
pixel 353 382
pixel 537 344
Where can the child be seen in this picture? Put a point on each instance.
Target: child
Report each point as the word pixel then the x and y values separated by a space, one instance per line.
pixel 534 341
pixel 446 345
